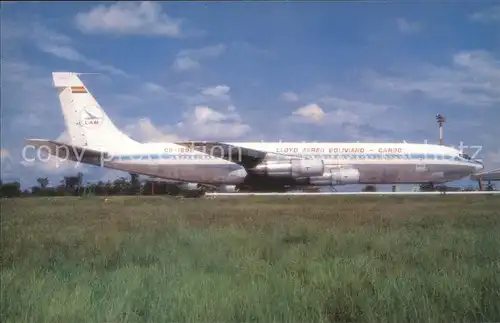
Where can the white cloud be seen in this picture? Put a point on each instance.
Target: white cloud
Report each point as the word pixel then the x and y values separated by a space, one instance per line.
pixel 362 108
pixel 472 79
pixel 52 42
pixel 490 15
pixel 289 97
pixel 129 18
pixel 27 96
pixel 45 34
pixel 185 63
pixel 210 114
pixel 200 122
pixel 65 52
pixel 481 63
pixel 206 123
pixel 145 131
pixel 151 87
pixel 191 58
pixel 71 54
pixel 222 130
pixel 203 114
pixel 338 111
pixel 406 27
pixel 352 119
pixel 312 112
pixel 219 91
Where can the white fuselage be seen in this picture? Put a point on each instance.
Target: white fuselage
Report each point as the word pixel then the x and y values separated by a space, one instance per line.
pixel 176 163
pixel 377 163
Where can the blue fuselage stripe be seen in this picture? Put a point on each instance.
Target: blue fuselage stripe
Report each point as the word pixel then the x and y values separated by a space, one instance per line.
pixel 359 156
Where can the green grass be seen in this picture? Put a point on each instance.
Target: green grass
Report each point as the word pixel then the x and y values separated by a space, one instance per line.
pixel 301 259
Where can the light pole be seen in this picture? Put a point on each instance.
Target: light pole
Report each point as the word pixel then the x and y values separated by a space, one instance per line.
pixel 440 119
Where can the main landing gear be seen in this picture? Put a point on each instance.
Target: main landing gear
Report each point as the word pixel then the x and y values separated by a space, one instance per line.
pixel 430 187
pixel 427 187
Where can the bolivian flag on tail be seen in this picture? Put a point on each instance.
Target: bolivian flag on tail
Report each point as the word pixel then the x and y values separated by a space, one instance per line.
pixel 78 89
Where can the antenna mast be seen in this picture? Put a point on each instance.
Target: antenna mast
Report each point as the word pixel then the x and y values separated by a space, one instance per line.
pixel 440 119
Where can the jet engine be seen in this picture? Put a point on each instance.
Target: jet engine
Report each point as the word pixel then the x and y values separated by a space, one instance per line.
pixel 337 177
pixel 227 189
pixel 291 168
pixel 188 186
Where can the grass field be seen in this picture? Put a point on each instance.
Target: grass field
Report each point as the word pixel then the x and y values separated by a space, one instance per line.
pixel 300 259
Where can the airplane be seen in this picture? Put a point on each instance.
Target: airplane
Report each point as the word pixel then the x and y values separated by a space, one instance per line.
pixel 239 166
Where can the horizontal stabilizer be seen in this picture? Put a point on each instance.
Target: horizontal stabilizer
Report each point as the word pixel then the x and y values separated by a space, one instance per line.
pixel 68 152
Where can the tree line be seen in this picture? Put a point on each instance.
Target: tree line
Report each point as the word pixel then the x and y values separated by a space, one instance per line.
pixel 75 186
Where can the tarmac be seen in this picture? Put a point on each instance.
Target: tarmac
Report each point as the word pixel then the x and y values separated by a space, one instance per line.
pixel 437 193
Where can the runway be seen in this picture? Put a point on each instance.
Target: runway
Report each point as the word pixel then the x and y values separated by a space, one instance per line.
pixel 353 193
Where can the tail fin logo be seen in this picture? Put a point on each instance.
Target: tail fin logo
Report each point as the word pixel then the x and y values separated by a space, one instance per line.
pixel 91 117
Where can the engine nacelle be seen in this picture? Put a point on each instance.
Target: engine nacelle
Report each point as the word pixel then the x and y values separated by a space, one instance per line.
pixel 188 186
pixel 227 189
pixel 337 177
pixel 291 168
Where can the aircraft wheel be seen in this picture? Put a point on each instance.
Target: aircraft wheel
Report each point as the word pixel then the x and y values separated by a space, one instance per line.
pixel 193 194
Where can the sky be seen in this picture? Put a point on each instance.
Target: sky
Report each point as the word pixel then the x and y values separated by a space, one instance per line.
pixel 251 71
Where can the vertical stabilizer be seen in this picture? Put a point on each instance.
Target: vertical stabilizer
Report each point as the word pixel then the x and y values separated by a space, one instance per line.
pixel 87 124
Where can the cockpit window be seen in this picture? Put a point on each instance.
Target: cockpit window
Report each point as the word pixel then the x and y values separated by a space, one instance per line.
pixel 465 156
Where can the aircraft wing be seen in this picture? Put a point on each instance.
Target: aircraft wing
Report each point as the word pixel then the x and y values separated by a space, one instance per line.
pixel 239 155
pixel 67 151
